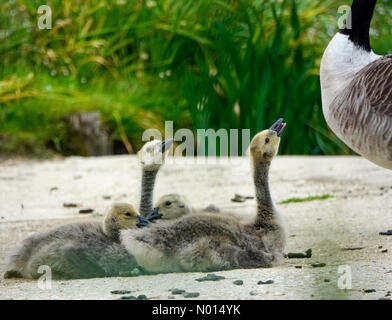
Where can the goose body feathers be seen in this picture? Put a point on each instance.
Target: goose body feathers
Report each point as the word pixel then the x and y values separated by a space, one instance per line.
pixel 356 87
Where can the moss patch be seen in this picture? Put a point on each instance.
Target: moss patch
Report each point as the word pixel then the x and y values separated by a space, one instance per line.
pixel 310 198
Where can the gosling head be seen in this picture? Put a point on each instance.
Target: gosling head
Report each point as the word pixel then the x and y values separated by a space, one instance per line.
pixel 119 216
pixel 153 153
pixel 264 145
pixel 172 206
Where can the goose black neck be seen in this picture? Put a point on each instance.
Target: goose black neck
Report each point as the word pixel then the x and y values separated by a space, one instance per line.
pixel 361 16
pixel 265 207
pixel 147 193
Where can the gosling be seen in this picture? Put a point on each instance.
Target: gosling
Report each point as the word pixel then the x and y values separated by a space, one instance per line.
pixel 218 242
pixel 78 250
pixel 173 206
pixel 151 158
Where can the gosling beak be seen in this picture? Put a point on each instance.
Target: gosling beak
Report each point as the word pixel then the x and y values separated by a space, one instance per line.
pixel 154 215
pixel 142 222
pixel 278 127
pixel 166 144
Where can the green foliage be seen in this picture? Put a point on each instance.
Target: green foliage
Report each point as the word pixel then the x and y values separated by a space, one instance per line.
pixel 310 198
pixel 203 64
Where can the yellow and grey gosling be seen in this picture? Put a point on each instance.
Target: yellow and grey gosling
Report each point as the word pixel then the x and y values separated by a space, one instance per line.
pixel 173 206
pixel 78 250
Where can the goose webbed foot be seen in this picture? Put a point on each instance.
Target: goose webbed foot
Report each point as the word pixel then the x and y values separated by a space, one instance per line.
pixel 154 215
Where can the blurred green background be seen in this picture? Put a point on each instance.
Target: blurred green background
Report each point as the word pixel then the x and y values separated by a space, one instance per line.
pixel 203 64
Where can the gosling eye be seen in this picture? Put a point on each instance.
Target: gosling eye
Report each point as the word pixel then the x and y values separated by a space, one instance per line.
pixel 266 140
pixel 128 214
pixel 168 203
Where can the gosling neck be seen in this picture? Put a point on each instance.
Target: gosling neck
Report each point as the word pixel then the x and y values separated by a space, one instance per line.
pixel 265 205
pixel 111 229
pixel 147 193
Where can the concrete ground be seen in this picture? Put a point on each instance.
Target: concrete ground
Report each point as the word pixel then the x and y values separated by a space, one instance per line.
pixel 32 194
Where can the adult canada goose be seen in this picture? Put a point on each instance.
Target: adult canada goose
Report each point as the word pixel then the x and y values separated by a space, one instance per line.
pixel 173 206
pixel 151 157
pixel 78 250
pixel 356 86
pixel 215 241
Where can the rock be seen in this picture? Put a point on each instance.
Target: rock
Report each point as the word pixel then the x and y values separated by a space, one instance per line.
pixel 386 233
pixel 298 267
pixel 352 249
pixel 384 251
pixel 69 205
pixel 211 277
pixel 191 294
pixel 106 197
pixel 327 280
pixel 87 135
pixel 253 293
pixel 84 211
pixel 128 298
pixel 266 282
pixel 141 297
pixel 53 189
pixel 240 198
pixel 295 255
pixel 318 264
pixel 369 290
pixel 120 292
pixel 177 291
pixel 238 282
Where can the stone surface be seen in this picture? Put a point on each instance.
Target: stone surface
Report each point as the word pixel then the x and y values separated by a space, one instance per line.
pixel 88 135
pixel 353 218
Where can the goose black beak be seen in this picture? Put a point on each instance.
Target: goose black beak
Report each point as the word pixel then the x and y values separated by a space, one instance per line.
pixel 142 222
pixel 154 215
pixel 166 144
pixel 278 127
